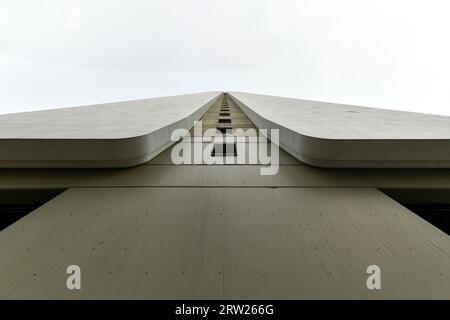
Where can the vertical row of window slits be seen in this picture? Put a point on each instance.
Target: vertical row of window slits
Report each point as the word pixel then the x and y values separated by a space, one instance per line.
pixel 224 149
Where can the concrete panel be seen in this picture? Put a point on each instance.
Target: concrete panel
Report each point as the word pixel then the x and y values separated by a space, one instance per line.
pixel 284 158
pixel 335 135
pixel 190 243
pixel 176 176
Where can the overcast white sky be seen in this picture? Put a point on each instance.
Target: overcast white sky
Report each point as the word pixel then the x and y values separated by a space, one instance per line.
pixel 381 53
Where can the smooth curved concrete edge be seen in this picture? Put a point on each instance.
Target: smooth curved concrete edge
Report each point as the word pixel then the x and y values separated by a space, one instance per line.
pixel 93 153
pixel 355 153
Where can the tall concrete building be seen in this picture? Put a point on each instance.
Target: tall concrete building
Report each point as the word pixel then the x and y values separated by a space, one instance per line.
pixel 357 208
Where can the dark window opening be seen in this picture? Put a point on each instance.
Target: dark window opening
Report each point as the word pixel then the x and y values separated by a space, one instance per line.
pixel 225 130
pixel 224 114
pixel 224 149
pixel 431 205
pixel 438 214
pixel 16 204
pixel 224 121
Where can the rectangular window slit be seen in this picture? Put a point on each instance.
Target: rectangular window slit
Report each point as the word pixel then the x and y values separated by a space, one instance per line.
pixel 224 149
pixel 224 121
pixel 225 130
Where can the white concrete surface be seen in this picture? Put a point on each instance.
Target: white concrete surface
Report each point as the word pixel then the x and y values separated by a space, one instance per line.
pixel 117 134
pixel 335 135
pixel 129 133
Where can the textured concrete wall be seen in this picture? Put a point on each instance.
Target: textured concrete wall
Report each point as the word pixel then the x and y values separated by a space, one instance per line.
pixel 118 134
pixel 334 135
pixel 161 230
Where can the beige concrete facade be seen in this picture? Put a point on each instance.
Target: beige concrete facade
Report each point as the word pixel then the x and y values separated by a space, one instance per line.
pixel 121 134
pixel 165 231
pixel 335 135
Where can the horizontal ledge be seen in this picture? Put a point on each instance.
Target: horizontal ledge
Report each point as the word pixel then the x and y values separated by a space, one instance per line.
pixel 91 151
pixel 336 152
